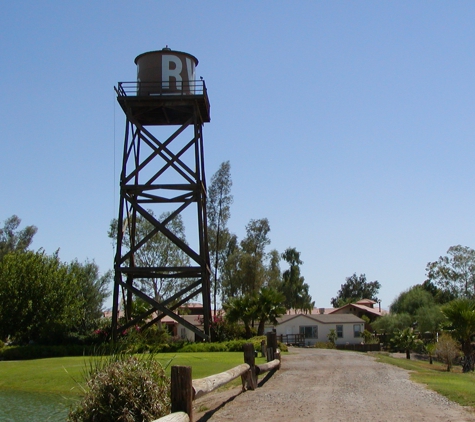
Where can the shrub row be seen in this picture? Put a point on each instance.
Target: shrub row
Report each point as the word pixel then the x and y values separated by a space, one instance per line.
pixel 39 352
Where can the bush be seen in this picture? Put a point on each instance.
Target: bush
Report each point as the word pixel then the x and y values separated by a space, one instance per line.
pixel 447 350
pixel 205 347
pixel 228 346
pixel 324 345
pixel 124 388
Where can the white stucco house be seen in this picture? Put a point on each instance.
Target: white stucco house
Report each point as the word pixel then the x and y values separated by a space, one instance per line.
pixel 313 328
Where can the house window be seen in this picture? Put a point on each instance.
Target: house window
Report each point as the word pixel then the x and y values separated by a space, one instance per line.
pixel 183 333
pixel 309 331
pixel 357 330
pixel 339 331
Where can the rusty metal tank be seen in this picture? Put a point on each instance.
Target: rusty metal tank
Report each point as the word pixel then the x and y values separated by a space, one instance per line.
pixel 166 72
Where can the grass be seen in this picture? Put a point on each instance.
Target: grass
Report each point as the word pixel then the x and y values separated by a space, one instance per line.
pixel 455 385
pixel 61 375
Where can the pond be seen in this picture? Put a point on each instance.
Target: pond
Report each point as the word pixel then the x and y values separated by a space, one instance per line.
pixel 18 406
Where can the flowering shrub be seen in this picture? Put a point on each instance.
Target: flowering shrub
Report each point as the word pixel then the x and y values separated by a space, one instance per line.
pixel 124 388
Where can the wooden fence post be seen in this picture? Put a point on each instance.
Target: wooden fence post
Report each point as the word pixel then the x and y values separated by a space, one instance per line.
pixel 182 390
pixel 249 380
pixel 263 348
pixel 271 345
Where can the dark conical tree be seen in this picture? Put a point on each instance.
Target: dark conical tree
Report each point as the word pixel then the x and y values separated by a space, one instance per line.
pixel 293 284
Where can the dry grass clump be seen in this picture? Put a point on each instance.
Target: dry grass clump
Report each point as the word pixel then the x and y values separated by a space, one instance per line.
pixel 124 388
pixel 447 350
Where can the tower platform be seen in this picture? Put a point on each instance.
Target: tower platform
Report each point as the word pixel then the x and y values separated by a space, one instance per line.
pixel 152 105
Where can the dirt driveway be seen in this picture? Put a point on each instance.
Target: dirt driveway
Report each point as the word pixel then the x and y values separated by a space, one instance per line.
pixel 331 385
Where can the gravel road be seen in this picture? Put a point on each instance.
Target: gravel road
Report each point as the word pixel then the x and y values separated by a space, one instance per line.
pixel 331 385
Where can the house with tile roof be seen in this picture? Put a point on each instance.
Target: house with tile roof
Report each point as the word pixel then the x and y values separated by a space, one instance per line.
pixel 308 329
pixel 360 308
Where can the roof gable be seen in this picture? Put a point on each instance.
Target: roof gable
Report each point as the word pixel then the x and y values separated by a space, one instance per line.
pixel 323 318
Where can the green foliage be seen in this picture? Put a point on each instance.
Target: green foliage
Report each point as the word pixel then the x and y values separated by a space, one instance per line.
pixel 354 289
pixel 38 298
pixel 332 336
pixel 14 240
pixel 460 314
pixel 293 286
pixel 41 352
pixel 389 323
pixel 223 330
pixel 157 251
pixel 205 347
pixel 153 339
pixel 228 346
pixel 440 296
pixel 269 307
pixel 244 272
pixel 124 388
pixel 93 290
pixel 404 340
pixel 45 301
pixel 264 307
pixel 369 337
pixel 430 349
pixel 455 272
pixel 219 211
pixel 365 318
pixel 411 300
pixel 241 309
pixel 324 345
pixel 429 319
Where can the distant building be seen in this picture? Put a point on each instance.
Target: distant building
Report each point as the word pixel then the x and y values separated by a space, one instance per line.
pixel 362 307
pixel 308 329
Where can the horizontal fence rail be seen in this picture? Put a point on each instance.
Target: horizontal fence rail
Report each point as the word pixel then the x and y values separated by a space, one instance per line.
pixel 206 385
pixel 184 390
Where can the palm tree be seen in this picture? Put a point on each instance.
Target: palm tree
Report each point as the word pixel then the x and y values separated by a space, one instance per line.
pixel 242 308
pixel 460 314
pixel 269 307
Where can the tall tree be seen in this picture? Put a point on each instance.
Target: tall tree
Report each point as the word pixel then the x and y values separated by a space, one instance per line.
pixel 39 298
pixel 253 255
pixel 232 274
pixel 14 240
pixel 455 272
pixel 159 251
pixel 411 300
pixel 293 284
pixel 257 238
pixel 356 288
pixel 93 289
pixel 219 211
pixel 273 273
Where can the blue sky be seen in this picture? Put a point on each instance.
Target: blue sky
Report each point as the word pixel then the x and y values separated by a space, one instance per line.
pixel 349 125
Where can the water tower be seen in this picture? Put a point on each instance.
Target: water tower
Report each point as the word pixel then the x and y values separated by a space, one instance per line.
pixel 162 177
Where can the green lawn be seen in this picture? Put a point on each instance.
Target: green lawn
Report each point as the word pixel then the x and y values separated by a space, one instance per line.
pixel 454 385
pixel 59 375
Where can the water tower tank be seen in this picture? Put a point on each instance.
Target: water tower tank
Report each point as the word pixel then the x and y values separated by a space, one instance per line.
pixel 166 72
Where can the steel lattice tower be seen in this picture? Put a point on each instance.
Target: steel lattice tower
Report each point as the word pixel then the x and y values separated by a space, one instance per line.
pixel 165 173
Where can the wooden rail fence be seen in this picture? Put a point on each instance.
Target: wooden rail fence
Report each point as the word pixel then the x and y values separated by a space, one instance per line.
pixel 184 389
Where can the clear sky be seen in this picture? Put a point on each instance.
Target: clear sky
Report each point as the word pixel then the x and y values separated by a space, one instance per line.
pixel 348 124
